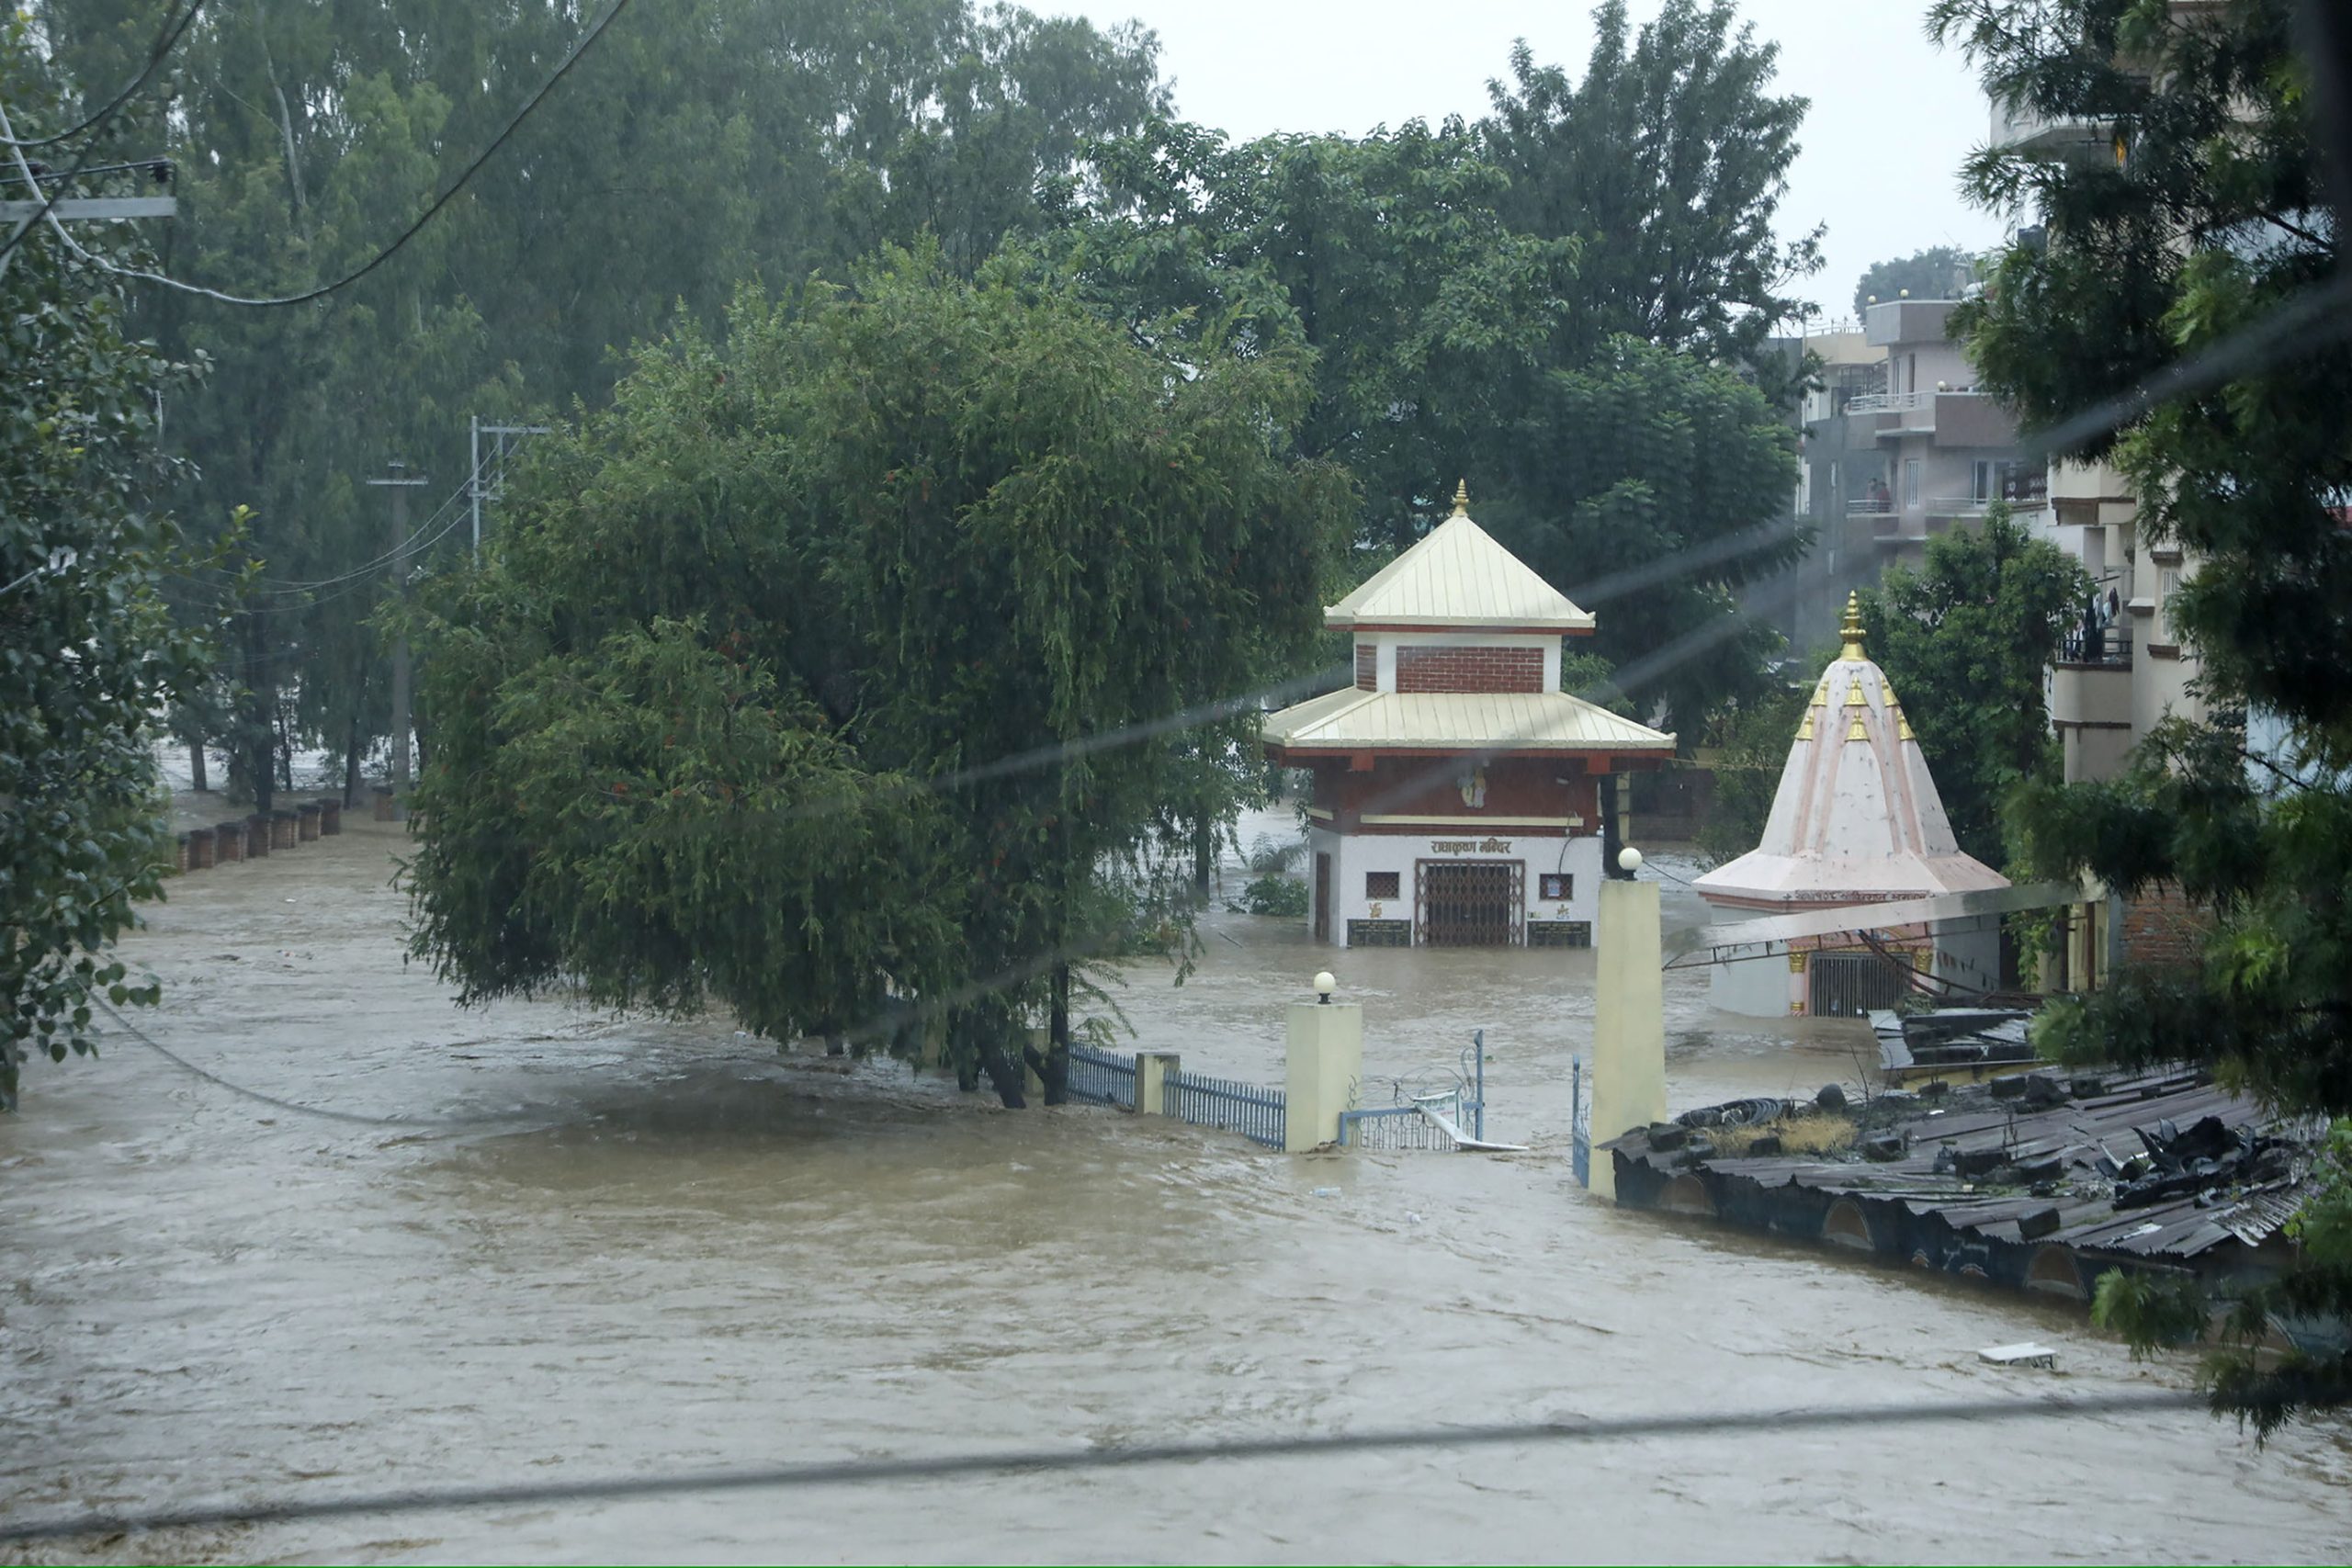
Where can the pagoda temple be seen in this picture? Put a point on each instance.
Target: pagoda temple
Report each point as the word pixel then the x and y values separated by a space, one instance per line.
pixel 1456 797
pixel 1856 821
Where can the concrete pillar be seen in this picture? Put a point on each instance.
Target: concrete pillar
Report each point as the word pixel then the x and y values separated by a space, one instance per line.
pixel 1323 1059
pixel 1628 1021
pixel 1153 1068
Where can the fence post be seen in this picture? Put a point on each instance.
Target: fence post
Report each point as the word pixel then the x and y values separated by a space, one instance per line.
pixel 1628 1019
pixel 1153 1068
pixel 1323 1062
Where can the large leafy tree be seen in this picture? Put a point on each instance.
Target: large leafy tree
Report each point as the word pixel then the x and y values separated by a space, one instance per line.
pixel 818 678
pixel 1967 641
pixel 1668 157
pixel 784 136
pixel 1939 272
pixel 88 648
pixel 2211 218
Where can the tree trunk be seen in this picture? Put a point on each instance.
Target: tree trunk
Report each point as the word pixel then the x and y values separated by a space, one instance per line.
pixel 196 767
pixel 1203 858
pixel 259 739
pixel 1055 1070
pixel 351 761
pixel 285 752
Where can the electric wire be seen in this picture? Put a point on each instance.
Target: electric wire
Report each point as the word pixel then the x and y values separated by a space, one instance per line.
pixel 165 41
pixel 579 51
pixel 1049 1461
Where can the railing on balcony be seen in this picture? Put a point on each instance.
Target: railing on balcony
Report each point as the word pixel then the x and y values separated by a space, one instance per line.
pixel 2104 646
pixel 1958 506
pixel 1888 403
pixel 1864 506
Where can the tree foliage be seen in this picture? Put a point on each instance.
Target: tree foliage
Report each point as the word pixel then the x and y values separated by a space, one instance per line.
pixel 1967 641
pixel 1669 159
pixel 785 137
pixel 88 648
pixel 798 684
pixel 2211 217
pixel 1939 272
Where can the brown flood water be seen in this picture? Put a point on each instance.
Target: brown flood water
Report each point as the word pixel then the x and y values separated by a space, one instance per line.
pixel 672 1248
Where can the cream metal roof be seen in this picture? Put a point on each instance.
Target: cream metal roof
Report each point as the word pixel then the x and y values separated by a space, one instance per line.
pixel 1352 719
pixel 1458 576
pixel 1857 817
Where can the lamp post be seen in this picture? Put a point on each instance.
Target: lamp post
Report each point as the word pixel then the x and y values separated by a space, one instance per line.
pixel 1325 983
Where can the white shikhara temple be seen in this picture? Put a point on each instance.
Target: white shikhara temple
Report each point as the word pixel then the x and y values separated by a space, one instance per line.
pixel 1456 786
pixel 1856 821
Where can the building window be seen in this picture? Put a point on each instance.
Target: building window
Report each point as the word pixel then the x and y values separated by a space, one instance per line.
pixel 1380 884
pixel 1911 482
pixel 1557 887
pixel 2167 584
pixel 1980 488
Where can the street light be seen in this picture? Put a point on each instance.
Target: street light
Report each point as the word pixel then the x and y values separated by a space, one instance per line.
pixel 1628 859
pixel 1324 983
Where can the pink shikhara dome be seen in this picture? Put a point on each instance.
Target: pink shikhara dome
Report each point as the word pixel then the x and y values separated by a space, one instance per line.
pixel 1857 818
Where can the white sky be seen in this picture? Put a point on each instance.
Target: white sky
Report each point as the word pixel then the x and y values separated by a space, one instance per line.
pixel 1892 115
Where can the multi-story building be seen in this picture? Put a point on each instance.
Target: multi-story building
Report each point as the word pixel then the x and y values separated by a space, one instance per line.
pixel 1896 445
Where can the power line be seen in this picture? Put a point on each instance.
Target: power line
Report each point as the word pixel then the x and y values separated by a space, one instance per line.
pixel 165 41
pixel 350 1117
pixel 579 51
pixel 868 1473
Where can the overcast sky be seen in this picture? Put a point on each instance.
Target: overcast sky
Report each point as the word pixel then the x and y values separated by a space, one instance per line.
pixel 1892 115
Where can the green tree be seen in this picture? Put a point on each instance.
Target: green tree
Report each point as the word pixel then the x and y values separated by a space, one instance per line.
pixel 1939 272
pixel 2211 218
pixel 849 615
pixel 88 649
pixel 1668 158
pixel 1751 737
pixel 1967 640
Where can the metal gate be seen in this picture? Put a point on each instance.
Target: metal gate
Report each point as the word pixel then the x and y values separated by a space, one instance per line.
pixel 1470 903
pixel 1847 985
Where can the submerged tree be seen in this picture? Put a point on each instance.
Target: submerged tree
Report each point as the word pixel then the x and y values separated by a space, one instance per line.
pixel 820 678
pixel 2204 213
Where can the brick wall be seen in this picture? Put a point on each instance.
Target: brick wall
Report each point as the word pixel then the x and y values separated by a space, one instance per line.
pixel 2163 930
pixel 1367 668
pixel 1467 669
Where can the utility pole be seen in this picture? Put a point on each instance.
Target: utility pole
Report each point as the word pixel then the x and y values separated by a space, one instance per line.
pixel 400 483
pixel 476 489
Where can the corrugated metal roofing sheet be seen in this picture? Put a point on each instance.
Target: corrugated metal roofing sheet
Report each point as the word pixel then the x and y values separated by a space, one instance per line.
pixel 2077 1131
pixel 1352 719
pixel 1458 576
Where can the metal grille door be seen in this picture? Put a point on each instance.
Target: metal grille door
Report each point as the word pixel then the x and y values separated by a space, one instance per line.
pixel 1847 985
pixel 1322 897
pixel 1469 903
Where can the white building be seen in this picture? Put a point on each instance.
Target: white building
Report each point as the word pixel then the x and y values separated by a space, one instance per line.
pixel 1457 787
pixel 1857 821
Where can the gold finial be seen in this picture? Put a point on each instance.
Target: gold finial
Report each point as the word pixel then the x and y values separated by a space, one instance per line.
pixel 1902 729
pixel 1851 630
pixel 1854 698
pixel 1858 732
pixel 1461 498
pixel 1804 730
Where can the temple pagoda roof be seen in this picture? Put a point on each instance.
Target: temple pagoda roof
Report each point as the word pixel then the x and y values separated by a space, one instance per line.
pixel 1498 723
pixel 1857 818
pixel 1457 577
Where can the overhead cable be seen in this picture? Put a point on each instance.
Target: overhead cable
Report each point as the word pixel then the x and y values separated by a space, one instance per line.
pixel 1033 1461
pixel 579 51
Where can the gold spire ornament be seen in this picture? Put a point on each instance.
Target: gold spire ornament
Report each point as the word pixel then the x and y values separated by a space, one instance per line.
pixel 1858 732
pixel 1851 630
pixel 1461 498
pixel 1854 695
pixel 1804 730
pixel 1903 728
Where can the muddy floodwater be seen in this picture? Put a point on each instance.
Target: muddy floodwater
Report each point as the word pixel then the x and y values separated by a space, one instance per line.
pixel 619 1248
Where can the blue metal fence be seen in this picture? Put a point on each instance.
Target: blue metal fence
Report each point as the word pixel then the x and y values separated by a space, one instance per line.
pixel 1401 1126
pixel 1255 1113
pixel 1101 1077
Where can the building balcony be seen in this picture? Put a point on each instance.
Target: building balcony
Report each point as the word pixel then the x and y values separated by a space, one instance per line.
pixel 1888 403
pixel 2097 648
pixel 2021 129
pixel 1865 507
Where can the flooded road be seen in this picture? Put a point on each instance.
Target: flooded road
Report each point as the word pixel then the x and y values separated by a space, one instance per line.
pixel 618 1248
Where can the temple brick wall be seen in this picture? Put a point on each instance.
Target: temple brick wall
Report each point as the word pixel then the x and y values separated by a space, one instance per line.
pixel 1466 669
